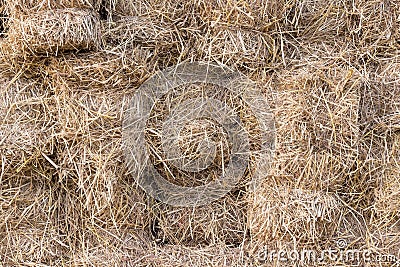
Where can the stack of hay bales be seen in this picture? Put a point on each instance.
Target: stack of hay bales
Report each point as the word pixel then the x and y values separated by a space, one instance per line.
pixel 175 28
pixel 66 195
pixel 316 111
pixel 80 98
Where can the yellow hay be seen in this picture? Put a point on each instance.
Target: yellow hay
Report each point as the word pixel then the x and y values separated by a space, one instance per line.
pixel 52 32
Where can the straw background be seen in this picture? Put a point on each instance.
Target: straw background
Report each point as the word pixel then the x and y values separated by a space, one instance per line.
pixel 329 69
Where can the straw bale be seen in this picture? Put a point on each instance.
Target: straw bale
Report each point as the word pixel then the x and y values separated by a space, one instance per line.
pixel 116 70
pixel 90 95
pixel 380 108
pixel 26 129
pixel 110 247
pixel 251 14
pixel 369 25
pixel 139 30
pixel 17 8
pixel 349 226
pixel 381 99
pixel 316 115
pixel 284 213
pixel 90 155
pixel 183 13
pixel 258 15
pixel 237 47
pixel 222 221
pixel 51 32
pixel 29 230
pixel 388 187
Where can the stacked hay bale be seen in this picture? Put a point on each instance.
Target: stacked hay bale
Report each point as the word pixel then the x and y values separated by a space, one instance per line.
pixel 316 111
pixel 222 221
pixel 25 7
pixel 46 28
pixel 247 49
pixel 91 92
pixel 30 231
pixel 380 111
pixel 38 33
pixel 361 21
pixel 112 248
pixel 26 130
pixel 159 38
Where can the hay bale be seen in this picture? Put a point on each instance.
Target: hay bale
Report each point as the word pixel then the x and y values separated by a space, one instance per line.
pixel 111 247
pixel 90 94
pixel 30 233
pixel 119 70
pixel 251 14
pixel 17 8
pixel 280 212
pixel 369 25
pixel 293 216
pixel 213 256
pixel 316 115
pixel 182 13
pixel 131 31
pixel 90 156
pixel 380 99
pixel 379 118
pixel 223 221
pixel 387 192
pixel 239 47
pixel 25 128
pixel 51 32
